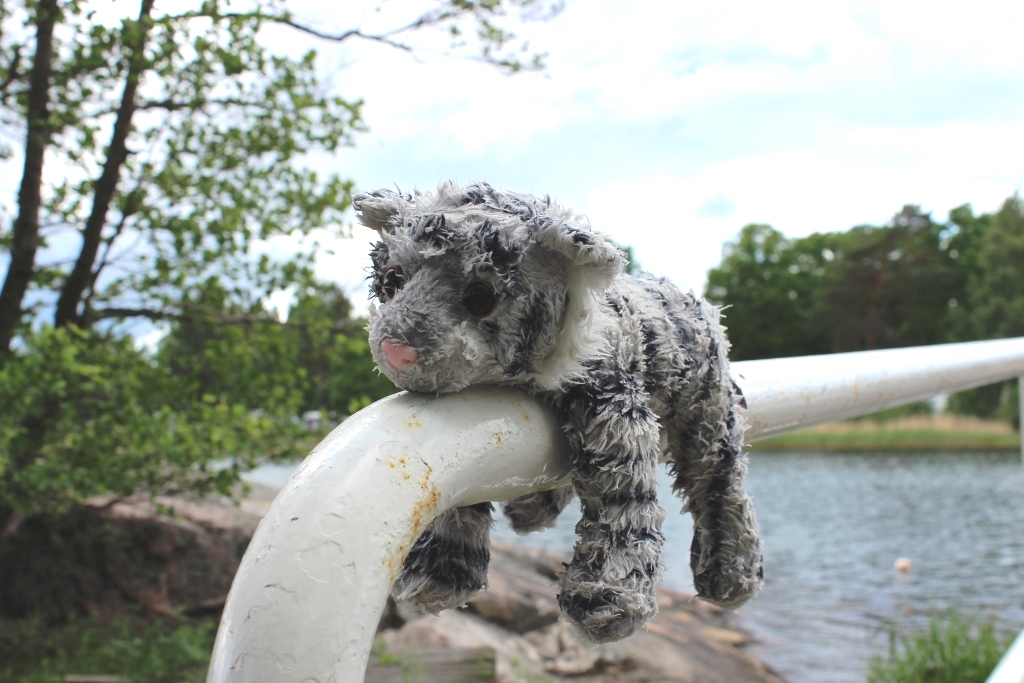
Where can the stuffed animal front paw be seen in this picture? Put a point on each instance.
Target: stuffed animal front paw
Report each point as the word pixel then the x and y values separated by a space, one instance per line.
pixel 608 589
pixel 448 562
pixel 477 286
pixel 603 613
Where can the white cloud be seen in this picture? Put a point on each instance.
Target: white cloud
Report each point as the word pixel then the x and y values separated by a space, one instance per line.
pixel 672 127
pixel 804 114
pixel 863 176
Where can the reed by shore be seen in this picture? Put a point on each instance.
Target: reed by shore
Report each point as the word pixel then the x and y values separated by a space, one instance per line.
pixel 908 433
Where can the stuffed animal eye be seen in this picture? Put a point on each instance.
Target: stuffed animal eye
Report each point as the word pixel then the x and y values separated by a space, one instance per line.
pixel 479 298
pixel 391 280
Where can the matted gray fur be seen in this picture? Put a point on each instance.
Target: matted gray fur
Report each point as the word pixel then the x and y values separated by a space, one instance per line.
pixel 479 286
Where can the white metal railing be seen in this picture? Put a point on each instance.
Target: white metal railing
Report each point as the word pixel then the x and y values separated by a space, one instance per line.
pixel 1011 667
pixel 313 583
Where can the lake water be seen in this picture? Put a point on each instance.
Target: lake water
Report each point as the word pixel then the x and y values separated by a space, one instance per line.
pixel 834 525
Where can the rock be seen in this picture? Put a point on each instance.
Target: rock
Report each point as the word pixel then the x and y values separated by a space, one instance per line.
pixel 516 659
pixel 519 592
pixel 689 641
pixel 106 557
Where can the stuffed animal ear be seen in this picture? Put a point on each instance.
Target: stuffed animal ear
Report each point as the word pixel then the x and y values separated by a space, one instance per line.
pixel 380 210
pixel 593 264
pixel 585 250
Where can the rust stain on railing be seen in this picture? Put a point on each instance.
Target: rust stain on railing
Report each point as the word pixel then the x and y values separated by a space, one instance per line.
pixel 423 513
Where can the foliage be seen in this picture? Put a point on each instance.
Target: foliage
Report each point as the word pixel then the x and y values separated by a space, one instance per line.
pixel 1009 410
pixel 160 652
pixel 979 402
pixel 116 422
pixel 952 649
pixel 217 126
pixel 911 282
pixel 331 352
pixel 991 250
pixel 870 287
pixel 965 231
pixel 769 284
pixel 317 359
pixel 888 287
pixel 890 414
pixel 995 287
pixel 178 194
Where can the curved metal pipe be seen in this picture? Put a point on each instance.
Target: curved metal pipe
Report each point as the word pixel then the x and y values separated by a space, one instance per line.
pixel 788 394
pixel 315 578
pixel 313 583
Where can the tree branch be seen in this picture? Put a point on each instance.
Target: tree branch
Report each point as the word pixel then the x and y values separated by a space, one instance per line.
pixel 178 105
pixel 189 312
pixel 25 233
pixel 384 38
pixel 12 71
pixel 132 205
pixel 96 315
pixel 285 20
pixel 79 277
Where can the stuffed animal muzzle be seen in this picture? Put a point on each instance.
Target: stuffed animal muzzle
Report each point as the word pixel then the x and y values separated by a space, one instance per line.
pixel 477 286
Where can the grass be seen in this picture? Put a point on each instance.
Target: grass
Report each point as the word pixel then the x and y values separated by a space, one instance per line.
pixel 952 649
pixel 166 651
pixel 906 433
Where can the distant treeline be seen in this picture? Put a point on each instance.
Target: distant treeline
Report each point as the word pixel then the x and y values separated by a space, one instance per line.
pixel 911 282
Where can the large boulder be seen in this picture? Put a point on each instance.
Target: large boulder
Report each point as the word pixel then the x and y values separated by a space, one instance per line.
pixel 107 557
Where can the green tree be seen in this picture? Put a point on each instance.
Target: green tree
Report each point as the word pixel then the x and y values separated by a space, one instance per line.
pixel 242 356
pixel 889 286
pixel 911 282
pixel 996 289
pixel 317 359
pixel 993 298
pixel 86 413
pixel 768 284
pixel 333 354
pixel 964 240
pixel 174 144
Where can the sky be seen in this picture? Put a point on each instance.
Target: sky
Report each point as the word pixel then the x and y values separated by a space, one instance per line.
pixel 672 125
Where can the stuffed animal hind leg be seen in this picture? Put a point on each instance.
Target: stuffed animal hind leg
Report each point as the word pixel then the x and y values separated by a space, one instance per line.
pixel 706 442
pixel 536 511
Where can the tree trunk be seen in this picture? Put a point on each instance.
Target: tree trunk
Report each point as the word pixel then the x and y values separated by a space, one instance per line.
pixel 80 277
pixel 26 225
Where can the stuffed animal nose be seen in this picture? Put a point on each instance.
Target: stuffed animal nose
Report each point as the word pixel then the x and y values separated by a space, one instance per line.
pixel 398 355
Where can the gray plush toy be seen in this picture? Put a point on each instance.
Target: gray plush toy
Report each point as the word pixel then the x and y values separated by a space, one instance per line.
pixel 478 286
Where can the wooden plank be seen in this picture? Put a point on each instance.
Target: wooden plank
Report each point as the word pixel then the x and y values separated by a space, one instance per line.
pixel 435 666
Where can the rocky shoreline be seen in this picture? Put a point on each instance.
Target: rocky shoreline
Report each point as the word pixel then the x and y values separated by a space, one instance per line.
pixel 112 556
pixel 688 642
